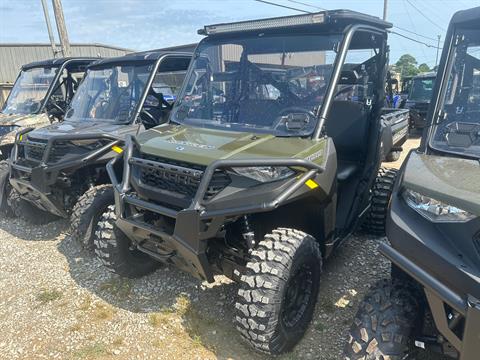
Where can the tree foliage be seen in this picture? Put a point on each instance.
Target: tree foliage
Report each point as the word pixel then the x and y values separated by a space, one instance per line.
pixel 423 68
pixel 407 65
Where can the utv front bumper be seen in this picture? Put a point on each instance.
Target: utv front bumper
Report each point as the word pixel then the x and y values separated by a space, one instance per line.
pixel 433 257
pixel 35 177
pixel 198 222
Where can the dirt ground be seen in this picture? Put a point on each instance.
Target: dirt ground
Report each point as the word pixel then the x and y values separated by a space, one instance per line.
pixel 58 302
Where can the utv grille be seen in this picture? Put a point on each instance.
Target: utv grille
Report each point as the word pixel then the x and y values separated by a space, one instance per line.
pixel 59 150
pixel 34 149
pixel 179 177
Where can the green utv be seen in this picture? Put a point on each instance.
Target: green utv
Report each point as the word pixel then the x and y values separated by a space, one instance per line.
pixel 59 170
pixel 39 97
pixel 432 301
pixel 266 165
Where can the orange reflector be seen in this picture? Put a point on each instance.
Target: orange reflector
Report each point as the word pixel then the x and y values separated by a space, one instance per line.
pixel 117 149
pixel 311 184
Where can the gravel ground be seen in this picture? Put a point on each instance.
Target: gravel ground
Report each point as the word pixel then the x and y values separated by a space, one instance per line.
pixel 58 302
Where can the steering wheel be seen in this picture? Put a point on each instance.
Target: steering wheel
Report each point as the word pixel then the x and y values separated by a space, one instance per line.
pixel 282 120
pixel 149 119
pixel 52 103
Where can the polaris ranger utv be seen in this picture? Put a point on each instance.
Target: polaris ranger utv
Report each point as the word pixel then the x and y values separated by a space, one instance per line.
pixel 39 97
pixel 421 92
pixel 432 300
pixel 59 170
pixel 265 166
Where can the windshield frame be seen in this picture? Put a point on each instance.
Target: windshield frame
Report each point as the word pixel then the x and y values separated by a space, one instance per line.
pixel 48 93
pixel 435 111
pixel 321 114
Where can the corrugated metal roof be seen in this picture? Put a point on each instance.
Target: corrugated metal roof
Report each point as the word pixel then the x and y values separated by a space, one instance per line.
pixel 13 56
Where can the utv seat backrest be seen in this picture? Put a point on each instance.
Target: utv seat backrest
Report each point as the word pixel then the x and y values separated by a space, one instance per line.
pixel 260 112
pixel 347 125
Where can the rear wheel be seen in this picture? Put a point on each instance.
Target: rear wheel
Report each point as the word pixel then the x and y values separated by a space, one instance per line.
pixel 87 212
pixel 384 325
pixel 279 290
pixel 5 209
pixel 115 250
pixel 382 189
pixel 25 210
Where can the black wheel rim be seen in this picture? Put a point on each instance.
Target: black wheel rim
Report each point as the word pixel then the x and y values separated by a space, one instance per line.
pixel 297 295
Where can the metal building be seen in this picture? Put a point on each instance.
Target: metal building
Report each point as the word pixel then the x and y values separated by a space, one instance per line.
pixel 13 56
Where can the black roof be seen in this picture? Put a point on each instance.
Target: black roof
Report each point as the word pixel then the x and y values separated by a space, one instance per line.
pixel 469 17
pixel 58 62
pixel 331 19
pixel 143 56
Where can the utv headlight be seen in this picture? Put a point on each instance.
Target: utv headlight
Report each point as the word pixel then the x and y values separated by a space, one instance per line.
pixel 265 173
pixel 435 210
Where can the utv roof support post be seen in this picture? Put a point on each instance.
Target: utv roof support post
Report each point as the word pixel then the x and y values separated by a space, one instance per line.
pixel 151 79
pixel 53 84
pixel 322 113
pixel 147 88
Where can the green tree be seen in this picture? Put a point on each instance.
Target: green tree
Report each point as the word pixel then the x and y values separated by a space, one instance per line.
pixel 407 65
pixel 423 68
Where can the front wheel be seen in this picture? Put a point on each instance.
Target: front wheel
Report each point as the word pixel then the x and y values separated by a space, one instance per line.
pixel 5 189
pixel 23 209
pixel 384 325
pixel 87 212
pixel 279 290
pixel 115 250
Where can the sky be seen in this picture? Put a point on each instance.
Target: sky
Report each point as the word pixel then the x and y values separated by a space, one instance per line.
pixel 151 24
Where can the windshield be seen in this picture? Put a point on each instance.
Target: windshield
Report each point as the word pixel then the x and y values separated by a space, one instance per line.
pixel 110 94
pixel 258 83
pixel 421 89
pixel 406 85
pixel 29 91
pixel 459 128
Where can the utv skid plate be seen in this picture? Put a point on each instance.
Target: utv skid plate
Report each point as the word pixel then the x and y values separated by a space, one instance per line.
pixel 196 224
pixel 35 183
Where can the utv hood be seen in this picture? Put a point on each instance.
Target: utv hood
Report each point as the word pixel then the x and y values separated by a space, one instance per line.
pixel 454 181
pixel 30 120
pixel 10 124
pixel 203 146
pixel 81 128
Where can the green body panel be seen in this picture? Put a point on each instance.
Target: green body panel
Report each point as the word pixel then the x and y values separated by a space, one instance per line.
pixel 452 180
pixel 203 146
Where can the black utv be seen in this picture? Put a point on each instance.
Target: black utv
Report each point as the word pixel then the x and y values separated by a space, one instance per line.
pixel 59 170
pixel 432 300
pixel 268 162
pixel 419 98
